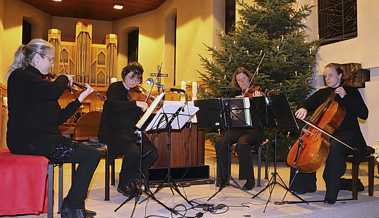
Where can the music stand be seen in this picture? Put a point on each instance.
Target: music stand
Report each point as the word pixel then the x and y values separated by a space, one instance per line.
pixel 139 128
pixel 232 113
pixel 280 119
pixel 172 115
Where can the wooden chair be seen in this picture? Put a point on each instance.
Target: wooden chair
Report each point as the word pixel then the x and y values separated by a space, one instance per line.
pixel 263 147
pixel 258 153
pixel 86 131
pixel 355 161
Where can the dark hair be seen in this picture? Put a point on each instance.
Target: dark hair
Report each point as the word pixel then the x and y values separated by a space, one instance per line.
pixel 238 71
pixel 133 67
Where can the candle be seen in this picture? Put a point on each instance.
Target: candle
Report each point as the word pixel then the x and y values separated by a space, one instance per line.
pixel 194 90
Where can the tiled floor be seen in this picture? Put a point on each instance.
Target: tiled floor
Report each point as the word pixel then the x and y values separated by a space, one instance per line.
pixel 238 203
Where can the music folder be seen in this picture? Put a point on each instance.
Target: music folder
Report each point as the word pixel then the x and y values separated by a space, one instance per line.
pixel 149 111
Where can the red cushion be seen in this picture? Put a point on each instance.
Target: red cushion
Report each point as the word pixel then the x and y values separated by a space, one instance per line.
pixel 23 184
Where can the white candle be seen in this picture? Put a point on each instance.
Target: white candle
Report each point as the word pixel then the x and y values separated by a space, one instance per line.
pixel 194 90
pixel 183 85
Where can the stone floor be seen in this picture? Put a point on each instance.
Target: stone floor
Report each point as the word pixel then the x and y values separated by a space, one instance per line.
pixel 238 203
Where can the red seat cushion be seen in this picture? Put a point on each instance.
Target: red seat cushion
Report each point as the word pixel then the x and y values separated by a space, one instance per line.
pixel 23 184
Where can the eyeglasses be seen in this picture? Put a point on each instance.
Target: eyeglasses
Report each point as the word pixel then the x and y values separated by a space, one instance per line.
pixel 50 59
pixel 134 78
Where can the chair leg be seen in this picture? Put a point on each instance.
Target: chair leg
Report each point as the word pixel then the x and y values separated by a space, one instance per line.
pixel 266 162
pixel 259 166
pixel 60 188
pixel 355 174
pixel 50 191
pixel 371 168
pixel 106 178
pixel 73 172
pixel 113 177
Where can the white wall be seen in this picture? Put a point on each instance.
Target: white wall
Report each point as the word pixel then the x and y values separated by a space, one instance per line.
pixel 14 12
pixel 363 49
pixel 198 22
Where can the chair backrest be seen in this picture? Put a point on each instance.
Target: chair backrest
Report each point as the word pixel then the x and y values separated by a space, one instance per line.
pixel 87 126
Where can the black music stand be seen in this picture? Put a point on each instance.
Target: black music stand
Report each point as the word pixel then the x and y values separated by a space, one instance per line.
pixel 224 114
pixel 280 119
pixel 139 129
pixel 171 116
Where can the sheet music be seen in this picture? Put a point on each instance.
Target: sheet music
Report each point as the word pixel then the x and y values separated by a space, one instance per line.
pixel 239 111
pixel 149 111
pixel 168 109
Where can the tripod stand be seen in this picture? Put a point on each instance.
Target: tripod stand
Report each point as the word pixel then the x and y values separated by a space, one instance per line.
pixel 231 118
pixel 282 119
pixel 169 118
pixel 141 176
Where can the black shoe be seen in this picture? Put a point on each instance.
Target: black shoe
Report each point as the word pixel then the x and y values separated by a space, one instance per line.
pixel 73 213
pixel 329 201
pixel 346 184
pixel 90 213
pixel 249 185
pixel 134 189
pixel 222 183
pixel 123 190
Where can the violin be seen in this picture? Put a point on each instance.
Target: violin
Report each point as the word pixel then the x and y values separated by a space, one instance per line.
pixel 253 91
pixel 138 93
pixel 51 77
pixel 98 94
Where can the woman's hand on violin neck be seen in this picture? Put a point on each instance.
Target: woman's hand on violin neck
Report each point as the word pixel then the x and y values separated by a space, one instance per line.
pixel 340 91
pixel 301 113
pixel 86 92
pixel 143 105
pixel 70 79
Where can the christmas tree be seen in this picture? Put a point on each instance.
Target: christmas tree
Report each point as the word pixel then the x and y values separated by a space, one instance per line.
pixel 271 32
pixel 274 30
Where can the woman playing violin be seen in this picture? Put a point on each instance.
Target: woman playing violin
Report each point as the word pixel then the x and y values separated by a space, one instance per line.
pixel 119 117
pixel 245 139
pixel 348 131
pixel 34 116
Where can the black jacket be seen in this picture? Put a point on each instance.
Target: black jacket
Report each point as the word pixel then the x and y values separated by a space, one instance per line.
pixel 120 114
pixel 34 113
pixel 354 107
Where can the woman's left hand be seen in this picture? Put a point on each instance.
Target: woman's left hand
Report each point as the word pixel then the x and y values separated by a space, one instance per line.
pixel 85 92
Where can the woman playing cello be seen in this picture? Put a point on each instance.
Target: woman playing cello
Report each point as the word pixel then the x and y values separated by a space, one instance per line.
pixel 348 131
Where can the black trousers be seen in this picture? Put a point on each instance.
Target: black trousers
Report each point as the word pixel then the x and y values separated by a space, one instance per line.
pixel 335 167
pixel 127 146
pixel 246 140
pixel 88 158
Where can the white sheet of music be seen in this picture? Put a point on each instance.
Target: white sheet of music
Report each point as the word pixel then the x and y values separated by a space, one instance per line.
pixel 168 110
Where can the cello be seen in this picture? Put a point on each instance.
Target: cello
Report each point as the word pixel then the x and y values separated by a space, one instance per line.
pixel 312 147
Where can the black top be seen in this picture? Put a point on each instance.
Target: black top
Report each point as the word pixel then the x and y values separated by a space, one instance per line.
pixel 354 106
pixel 120 114
pixel 34 113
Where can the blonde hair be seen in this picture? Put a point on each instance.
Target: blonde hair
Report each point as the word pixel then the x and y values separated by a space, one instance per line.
pixel 25 54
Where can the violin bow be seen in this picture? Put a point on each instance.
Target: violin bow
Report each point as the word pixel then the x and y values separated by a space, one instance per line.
pixel 256 72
